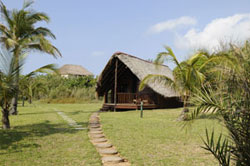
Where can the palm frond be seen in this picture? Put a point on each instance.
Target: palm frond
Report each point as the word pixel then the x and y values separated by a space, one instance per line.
pixel 44 47
pixel 9 70
pixel 162 56
pixel 205 102
pixel 27 3
pixel 154 78
pixel 50 68
pixel 8 42
pixel 44 31
pixel 5 61
pixel 220 149
pixel 6 14
pixel 4 30
pixel 35 17
pixel 199 76
pixel 219 59
pixel 195 58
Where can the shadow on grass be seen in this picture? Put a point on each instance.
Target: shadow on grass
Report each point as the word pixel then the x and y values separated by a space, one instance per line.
pixel 11 139
pixel 79 112
pixel 210 116
pixel 53 112
pixel 42 112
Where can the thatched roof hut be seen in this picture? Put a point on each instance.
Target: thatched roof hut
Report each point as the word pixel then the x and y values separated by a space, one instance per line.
pixel 74 70
pixel 122 68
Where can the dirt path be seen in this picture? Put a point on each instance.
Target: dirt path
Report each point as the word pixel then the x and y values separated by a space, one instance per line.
pixel 110 156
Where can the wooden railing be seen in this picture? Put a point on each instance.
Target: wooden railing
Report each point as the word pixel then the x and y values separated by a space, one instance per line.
pixel 134 98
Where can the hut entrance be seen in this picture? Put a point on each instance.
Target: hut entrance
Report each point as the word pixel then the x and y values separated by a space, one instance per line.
pixel 124 90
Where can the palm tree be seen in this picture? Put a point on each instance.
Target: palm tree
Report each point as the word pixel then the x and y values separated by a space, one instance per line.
pixel 187 74
pixel 8 72
pixel 8 89
pixel 29 86
pixel 19 35
pixel 231 103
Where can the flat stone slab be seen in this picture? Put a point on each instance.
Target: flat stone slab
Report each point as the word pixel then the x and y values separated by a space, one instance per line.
pixel 94 123
pixel 95 129
pixel 95 132
pixel 117 164
pixel 103 145
pixel 97 135
pixel 99 140
pixel 108 151
pixel 112 159
pixel 93 118
pixel 94 126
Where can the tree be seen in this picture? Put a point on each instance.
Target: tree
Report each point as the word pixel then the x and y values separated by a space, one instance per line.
pixel 19 35
pixel 231 101
pixel 8 89
pixel 8 72
pixel 29 86
pixel 187 75
pixel 23 92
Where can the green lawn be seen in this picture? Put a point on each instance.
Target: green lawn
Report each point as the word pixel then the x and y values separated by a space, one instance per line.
pixel 40 137
pixel 158 139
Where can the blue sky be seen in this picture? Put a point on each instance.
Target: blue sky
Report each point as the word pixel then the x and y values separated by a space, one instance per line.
pixel 89 31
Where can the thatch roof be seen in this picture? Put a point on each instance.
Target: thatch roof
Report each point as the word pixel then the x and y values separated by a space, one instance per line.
pixel 141 68
pixel 74 70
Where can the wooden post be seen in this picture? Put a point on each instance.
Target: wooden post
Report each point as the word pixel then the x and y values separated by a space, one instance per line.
pixel 115 88
pixel 105 97
pixel 141 109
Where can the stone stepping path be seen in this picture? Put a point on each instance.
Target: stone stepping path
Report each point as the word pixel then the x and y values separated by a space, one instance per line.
pixel 97 135
pixel 110 156
pixel 108 151
pixel 70 121
pixel 98 140
pixel 103 145
pixel 95 132
pixel 114 159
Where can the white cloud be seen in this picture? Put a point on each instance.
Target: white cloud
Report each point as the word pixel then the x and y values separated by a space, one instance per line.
pixel 235 28
pixel 172 24
pixel 97 53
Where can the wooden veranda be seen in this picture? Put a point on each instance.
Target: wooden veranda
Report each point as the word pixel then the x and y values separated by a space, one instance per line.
pixel 129 101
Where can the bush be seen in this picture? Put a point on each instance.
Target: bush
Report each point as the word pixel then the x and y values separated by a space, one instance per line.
pixel 63 90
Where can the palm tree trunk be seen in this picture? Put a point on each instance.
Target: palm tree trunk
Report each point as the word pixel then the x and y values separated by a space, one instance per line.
pixel 30 100
pixel 23 101
pixel 14 102
pixel 184 102
pixel 5 119
pixel 13 110
pixel 184 113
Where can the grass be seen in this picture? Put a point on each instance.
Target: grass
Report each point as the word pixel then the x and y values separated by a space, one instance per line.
pixel 158 139
pixel 39 136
